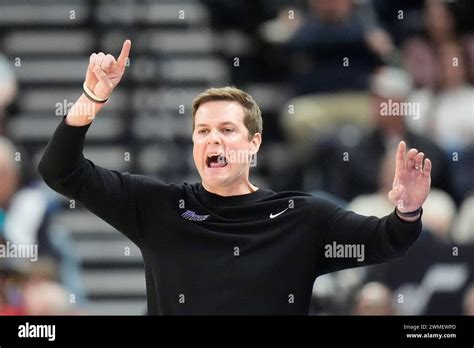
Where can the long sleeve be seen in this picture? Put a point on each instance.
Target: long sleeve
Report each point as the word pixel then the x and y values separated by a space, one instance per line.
pixel 353 240
pixel 109 194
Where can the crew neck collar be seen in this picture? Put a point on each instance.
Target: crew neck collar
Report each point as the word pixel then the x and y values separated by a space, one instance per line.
pixel 215 199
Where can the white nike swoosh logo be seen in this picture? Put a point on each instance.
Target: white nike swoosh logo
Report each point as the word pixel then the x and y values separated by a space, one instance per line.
pixel 274 216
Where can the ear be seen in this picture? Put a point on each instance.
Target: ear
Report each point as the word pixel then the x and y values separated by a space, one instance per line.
pixel 255 143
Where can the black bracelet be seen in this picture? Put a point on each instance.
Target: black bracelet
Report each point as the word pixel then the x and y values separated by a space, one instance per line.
pixel 409 214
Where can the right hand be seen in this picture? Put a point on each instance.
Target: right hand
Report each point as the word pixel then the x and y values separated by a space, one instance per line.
pixel 104 72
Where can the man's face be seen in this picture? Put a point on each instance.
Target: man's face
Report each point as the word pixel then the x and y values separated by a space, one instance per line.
pixel 222 149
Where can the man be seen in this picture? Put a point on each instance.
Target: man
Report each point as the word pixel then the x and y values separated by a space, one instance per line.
pixel 224 246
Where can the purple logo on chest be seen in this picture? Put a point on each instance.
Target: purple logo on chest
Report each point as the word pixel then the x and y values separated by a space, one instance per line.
pixel 191 215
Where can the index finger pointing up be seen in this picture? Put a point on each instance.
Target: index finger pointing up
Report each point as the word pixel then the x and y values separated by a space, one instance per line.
pixel 400 161
pixel 124 53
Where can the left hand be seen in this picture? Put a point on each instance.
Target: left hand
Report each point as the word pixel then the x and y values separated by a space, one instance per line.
pixel 412 181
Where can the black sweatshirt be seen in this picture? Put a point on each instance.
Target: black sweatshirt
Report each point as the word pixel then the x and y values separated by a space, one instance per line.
pixel 257 253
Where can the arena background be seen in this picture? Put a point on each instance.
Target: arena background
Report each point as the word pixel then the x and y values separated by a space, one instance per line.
pixel 320 71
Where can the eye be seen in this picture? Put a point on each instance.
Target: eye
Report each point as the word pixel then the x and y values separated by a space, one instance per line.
pixel 202 131
pixel 228 130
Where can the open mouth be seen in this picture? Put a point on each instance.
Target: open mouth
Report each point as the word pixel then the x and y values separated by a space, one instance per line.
pixel 216 161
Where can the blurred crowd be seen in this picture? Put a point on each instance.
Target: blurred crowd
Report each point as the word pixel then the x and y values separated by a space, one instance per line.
pixel 39 273
pixel 347 67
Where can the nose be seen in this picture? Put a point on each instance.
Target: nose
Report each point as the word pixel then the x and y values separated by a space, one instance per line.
pixel 213 138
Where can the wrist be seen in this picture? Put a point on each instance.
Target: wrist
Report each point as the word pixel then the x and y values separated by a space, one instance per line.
pixel 409 216
pixel 82 112
pixel 92 97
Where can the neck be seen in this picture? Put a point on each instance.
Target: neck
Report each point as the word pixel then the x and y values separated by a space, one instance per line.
pixel 240 188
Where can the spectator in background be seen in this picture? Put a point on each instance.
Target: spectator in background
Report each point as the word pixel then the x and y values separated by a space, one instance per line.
pixel 30 289
pixel 420 51
pixel 374 299
pixel 389 87
pixel 334 50
pixel 447 116
pixel 46 298
pixel 400 18
pixel 17 202
pixel 258 60
pixel 447 112
pixel 25 219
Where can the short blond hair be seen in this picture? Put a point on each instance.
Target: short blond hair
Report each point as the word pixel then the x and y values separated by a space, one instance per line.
pixel 252 114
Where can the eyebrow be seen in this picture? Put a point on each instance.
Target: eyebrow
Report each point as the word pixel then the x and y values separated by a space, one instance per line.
pixel 220 124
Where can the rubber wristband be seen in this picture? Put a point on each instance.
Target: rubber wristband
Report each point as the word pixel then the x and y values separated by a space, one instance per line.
pixel 409 214
pixel 91 96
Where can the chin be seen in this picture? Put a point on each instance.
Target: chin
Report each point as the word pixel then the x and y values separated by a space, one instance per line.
pixel 216 181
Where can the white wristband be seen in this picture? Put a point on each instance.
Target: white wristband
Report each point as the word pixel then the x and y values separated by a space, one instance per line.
pixel 89 94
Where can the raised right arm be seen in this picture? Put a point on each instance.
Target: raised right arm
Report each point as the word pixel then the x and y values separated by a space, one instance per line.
pixel 109 194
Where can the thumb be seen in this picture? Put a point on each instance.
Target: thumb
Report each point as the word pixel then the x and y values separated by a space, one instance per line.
pixel 395 194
